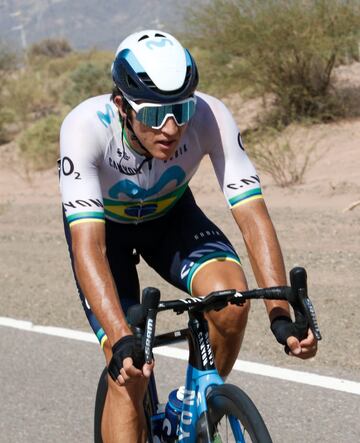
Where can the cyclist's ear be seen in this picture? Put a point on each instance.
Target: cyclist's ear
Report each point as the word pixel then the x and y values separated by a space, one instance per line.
pixel 120 103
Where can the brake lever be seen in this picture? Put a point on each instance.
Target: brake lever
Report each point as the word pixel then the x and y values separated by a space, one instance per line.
pixel 309 310
pixel 301 302
pixel 150 301
pixel 136 317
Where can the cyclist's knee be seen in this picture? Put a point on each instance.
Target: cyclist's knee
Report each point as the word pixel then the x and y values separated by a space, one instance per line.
pixel 230 321
pixel 216 276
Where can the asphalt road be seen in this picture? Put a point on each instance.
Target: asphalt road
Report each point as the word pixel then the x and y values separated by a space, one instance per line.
pixel 48 388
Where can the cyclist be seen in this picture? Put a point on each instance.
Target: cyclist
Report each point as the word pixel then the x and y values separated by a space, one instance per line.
pixel 126 162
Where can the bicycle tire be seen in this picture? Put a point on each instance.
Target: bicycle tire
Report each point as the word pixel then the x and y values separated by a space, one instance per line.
pixel 99 405
pixel 229 400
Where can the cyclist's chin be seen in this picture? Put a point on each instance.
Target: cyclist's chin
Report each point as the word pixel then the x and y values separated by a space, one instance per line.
pixel 164 150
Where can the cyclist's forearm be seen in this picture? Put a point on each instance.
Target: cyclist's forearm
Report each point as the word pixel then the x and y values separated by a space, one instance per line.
pixel 264 253
pixel 97 284
pixel 96 281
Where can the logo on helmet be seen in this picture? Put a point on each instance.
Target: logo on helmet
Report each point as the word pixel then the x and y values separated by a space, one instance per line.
pixel 160 44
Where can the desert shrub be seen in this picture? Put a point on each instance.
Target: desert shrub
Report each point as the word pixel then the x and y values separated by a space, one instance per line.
pixel 287 48
pixel 8 65
pixel 39 144
pixel 284 155
pixel 50 47
pixel 88 80
pixel 67 65
pixel 214 79
pixel 28 97
pixel 8 61
pixel 7 117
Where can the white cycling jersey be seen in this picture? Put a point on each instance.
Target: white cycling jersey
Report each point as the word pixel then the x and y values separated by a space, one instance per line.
pixel 101 176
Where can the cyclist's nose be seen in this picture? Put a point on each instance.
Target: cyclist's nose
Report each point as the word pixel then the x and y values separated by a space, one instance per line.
pixel 170 127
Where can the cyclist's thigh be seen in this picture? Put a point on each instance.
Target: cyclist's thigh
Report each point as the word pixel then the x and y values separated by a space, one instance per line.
pixel 123 267
pixel 189 242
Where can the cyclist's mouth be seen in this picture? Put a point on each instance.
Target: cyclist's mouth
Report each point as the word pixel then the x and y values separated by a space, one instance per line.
pixel 168 144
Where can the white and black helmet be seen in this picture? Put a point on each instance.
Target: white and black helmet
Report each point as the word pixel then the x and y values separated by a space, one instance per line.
pixel 153 66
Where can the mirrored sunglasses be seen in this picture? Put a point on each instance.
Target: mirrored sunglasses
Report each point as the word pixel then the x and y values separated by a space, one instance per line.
pixel 155 115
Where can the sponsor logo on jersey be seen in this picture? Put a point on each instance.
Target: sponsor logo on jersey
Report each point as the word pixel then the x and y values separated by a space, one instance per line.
pixel 254 179
pixel 241 144
pixel 107 116
pixel 81 203
pixel 67 168
pixel 133 190
pixel 178 153
pixel 127 170
pixel 204 234
pixel 122 154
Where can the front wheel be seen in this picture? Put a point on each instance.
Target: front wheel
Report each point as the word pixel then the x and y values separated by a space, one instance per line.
pixel 232 417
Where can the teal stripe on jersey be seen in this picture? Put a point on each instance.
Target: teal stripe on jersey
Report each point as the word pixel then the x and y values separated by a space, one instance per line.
pixel 100 334
pixel 218 254
pixel 244 196
pixel 81 215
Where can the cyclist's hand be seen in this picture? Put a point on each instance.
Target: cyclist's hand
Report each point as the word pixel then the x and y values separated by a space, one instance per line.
pixel 125 363
pixel 297 338
pixel 129 371
pixel 305 348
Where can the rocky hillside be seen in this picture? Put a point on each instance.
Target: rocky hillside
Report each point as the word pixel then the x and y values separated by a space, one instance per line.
pixel 86 23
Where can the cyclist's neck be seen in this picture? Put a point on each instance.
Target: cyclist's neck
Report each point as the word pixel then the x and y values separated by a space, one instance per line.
pixel 132 140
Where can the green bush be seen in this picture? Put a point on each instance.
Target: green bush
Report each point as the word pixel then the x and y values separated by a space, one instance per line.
pixel 6 119
pixel 69 64
pixel 8 61
pixel 50 47
pixel 88 80
pixel 29 97
pixel 39 144
pixel 287 48
pixel 8 65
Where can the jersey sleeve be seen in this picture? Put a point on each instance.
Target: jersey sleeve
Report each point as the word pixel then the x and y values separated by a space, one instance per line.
pixel 235 172
pixel 79 178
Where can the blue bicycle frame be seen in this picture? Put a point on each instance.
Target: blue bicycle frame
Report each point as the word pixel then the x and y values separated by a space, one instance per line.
pixel 201 375
pixel 195 405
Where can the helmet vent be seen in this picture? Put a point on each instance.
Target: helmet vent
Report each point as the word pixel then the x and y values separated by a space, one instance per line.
pixel 159 35
pixel 150 84
pixel 147 80
pixel 143 37
pixel 131 82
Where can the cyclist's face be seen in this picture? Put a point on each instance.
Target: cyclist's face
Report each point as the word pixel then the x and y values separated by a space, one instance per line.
pixel 162 142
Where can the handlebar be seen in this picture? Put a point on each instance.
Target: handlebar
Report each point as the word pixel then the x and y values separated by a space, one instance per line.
pixel 143 316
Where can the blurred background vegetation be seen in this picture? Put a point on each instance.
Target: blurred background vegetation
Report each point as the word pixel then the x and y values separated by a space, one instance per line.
pixel 285 51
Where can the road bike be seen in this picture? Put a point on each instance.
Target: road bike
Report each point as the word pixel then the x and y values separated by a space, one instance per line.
pixel 211 411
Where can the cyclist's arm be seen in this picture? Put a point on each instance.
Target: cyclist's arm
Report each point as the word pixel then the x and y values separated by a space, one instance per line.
pixel 267 262
pixel 83 140
pixel 96 280
pixel 241 186
pixel 263 250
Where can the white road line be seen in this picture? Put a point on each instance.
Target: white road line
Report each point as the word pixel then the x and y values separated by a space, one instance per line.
pixel 337 384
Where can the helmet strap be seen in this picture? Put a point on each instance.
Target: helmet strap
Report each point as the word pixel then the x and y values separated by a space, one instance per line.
pixel 125 123
pixel 131 129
